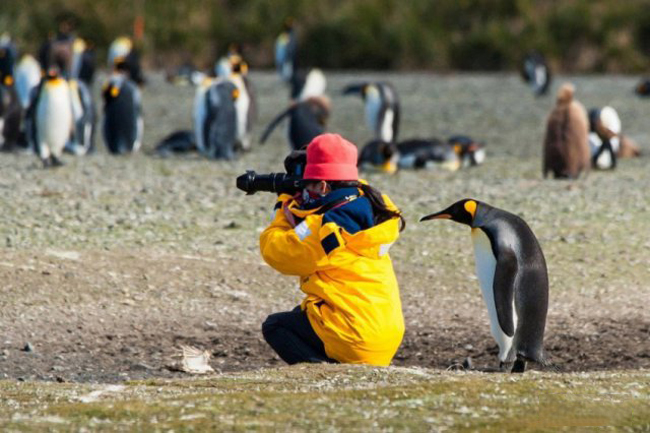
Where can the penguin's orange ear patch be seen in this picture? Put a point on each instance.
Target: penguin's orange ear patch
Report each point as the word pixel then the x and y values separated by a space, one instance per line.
pixel 470 206
pixel 235 94
pixel 115 91
pixel 9 80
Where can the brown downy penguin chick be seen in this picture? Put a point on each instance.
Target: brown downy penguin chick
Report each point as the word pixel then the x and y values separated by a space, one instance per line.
pixel 566 146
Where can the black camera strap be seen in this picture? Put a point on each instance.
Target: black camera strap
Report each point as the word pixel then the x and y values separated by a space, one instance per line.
pixel 336 203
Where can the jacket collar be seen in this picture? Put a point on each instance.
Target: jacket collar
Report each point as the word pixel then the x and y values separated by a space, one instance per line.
pixel 333 196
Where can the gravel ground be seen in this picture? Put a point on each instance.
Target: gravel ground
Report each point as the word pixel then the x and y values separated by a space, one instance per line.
pixel 110 263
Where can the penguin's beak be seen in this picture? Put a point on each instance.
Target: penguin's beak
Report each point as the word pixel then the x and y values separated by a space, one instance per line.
pixel 436 216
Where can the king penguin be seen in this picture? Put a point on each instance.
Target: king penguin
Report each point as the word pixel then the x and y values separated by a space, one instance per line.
pixel 382 108
pixel 512 273
pixel 536 73
pixel 286 50
pixel 54 120
pixel 123 125
pixel 307 119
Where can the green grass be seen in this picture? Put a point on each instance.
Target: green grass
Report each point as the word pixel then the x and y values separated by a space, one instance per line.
pixel 325 397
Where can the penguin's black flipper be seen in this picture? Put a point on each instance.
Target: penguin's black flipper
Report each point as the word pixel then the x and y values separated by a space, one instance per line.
pixel 275 122
pixel 504 289
pixel 353 89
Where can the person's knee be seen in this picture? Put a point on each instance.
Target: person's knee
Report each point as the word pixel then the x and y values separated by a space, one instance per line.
pixel 269 327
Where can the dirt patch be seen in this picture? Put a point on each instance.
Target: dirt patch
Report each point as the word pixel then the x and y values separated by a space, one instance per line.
pixel 111 263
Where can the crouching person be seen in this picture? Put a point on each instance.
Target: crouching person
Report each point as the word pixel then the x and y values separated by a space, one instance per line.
pixel 335 235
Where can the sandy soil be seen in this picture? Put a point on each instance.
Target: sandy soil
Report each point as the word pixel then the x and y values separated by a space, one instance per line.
pixel 109 264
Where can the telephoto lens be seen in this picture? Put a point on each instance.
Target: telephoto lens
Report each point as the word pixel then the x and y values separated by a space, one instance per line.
pixel 251 182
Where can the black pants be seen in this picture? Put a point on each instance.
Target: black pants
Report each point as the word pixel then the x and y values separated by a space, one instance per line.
pixel 290 334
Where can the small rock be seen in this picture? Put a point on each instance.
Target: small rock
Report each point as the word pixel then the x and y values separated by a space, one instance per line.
pixel 468 347
pixel 60 379
pixel 232 225
pixel 29 347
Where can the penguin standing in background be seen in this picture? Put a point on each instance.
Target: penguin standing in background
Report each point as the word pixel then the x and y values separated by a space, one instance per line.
pixel 8 57
pixel 122 48
pixel 307 119
pixel 82 140
pixel 303 83
pixel 536 73
pixel 54 119
pixel 566 143
pixel 10 114
pixel 244 102
pixel 224 66
pixel 83 62
pixel 28 76
pixel 123 125
pixel 286 51
pixel 200 112
pixel 219 129
pixel 512 273
pixel 382 108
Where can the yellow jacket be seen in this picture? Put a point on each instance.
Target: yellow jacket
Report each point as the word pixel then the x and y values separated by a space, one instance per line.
pixel 352 300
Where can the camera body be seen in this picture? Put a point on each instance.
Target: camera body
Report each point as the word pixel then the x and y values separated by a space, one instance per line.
pixel 290 182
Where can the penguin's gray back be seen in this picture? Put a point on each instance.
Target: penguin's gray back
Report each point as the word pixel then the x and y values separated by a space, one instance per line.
pixel 520 270
pixel 220 127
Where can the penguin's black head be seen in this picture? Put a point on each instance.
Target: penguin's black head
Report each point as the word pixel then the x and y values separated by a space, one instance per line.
pixel 462 211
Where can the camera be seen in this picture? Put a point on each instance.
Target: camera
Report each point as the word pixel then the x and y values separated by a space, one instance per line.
pixel 281 183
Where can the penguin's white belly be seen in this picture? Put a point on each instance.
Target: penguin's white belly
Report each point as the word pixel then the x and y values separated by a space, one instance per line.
pixel 242 105
pixel 485 269
pixel 387 126
pixel 373 106
pixel 200 113
pixel 54 119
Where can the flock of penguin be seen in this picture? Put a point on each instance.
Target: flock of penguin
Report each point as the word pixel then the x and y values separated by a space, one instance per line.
pixel 47 107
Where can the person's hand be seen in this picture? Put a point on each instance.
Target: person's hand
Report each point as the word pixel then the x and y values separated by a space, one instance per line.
pixel 287 213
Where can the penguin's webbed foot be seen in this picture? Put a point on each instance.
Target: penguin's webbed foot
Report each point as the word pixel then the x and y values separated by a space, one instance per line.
pixel 519 366
pixel 56 162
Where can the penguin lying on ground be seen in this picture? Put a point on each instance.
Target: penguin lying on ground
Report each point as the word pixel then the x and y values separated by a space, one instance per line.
pixel 182 141
pixel 123 125
pixel 307 119
pixel 566 145
pixel 459 151
pixel 382 108
pixel 536 73
pixel 54 120
pixel 512 273
pixel 643 88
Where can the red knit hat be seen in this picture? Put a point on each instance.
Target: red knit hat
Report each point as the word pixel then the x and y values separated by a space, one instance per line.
pixel 331 157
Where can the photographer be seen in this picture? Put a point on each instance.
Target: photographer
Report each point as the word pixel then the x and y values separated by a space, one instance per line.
pixel 335 235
